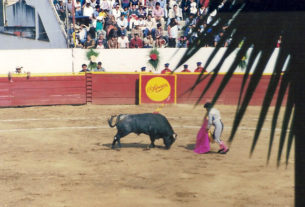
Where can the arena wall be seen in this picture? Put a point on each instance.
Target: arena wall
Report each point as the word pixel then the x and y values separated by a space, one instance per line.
pixel 112 88
pixel 117 60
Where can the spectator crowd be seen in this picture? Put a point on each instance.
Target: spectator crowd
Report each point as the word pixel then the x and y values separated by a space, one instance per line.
pixel 104 24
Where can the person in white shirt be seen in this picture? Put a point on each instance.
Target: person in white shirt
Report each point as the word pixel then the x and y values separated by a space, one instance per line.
pixel 123 42
pixel 172 33
pixel 193 7
pixel 87 10
pixel 116 12
pixel 176 13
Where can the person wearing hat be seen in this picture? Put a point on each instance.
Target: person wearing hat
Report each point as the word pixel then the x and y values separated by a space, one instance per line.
pixel 143 69
pixel 166 69
pixel 99 68
pixel 185 69
pixel 84 69
pixel 199 69
pixel 214 119
pixel 18 70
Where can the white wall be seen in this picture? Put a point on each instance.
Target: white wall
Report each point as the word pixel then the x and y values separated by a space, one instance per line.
pixel 115 60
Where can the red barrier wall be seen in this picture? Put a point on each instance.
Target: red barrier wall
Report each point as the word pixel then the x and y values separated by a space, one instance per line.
pixel 50 90
pixel 113 88
pixel 229 95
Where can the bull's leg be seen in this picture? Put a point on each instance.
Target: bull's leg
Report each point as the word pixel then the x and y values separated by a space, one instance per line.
pixel 118 137
pixel 167 142
pixel 152 140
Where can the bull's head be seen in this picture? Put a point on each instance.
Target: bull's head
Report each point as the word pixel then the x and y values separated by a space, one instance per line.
pixel 171 140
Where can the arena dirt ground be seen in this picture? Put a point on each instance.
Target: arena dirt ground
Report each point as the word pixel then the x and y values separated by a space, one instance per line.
pixel 61 156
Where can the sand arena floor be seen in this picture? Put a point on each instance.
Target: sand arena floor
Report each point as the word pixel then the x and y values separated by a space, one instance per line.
pixel 60 156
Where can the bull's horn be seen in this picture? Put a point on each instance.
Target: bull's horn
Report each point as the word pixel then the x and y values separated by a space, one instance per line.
pixel 175 135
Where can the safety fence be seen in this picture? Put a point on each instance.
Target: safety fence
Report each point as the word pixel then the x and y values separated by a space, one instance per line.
pixel 120 88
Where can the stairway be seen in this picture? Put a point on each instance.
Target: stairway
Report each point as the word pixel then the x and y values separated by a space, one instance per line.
pixel 89 87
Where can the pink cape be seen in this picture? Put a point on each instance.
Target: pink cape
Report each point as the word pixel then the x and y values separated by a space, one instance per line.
pixel 203 142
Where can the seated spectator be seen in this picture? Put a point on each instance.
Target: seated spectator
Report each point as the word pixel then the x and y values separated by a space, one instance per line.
pixel 122 23
pixel 185 69
pixel 149 41
pixel 133 10
pixel 150 5
pixel 87 10
pixel 84 69
pixel 137 30
pixel 125 3
pixel 99 68
pixel 182 42
pixel 166 69
pixel 136 42
pixel 123 42
pixel 218 38
pixel 133 21
pixel 158 13
pixel 101 42
pixel 199 69
pixel 160 42
pixel 113 43
pixel 175 13
pixel 99 25
pixel 142 23
pixel 135 2
pixel 90 43
pixel 116 12
pixel 82 35
pixel 150 26
pixel 142 10
pixel 105 6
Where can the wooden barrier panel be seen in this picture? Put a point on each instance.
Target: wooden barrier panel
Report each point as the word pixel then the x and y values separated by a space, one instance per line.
pixel 229 95
pixel 115 88
pixel 49 90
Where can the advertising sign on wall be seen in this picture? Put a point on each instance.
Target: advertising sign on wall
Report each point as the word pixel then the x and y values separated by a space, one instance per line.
pixel 157 88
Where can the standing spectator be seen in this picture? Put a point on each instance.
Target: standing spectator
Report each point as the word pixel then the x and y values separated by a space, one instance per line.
pixel 143 69
pixel 123 42
pixel 69 6
pixel 193 7
pixel 199 69
pixel 61 10
pixel 84 69
pixel 136 42
pixel 166 69
pixel 113 43
pixel 185 69
pixel 78 8
pixel 172 33
pixel 99 68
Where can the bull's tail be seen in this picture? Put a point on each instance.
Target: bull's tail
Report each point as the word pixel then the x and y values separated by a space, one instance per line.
pixel 111 120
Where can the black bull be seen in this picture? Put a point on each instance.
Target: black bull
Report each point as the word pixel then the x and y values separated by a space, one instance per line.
pixel 154 125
